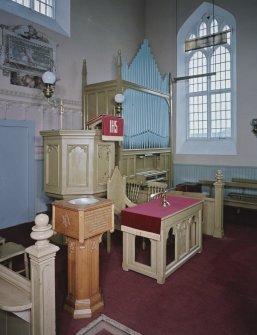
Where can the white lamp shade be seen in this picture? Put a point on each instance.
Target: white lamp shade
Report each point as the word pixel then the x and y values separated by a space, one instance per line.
pixel 49 77
pixel 119 98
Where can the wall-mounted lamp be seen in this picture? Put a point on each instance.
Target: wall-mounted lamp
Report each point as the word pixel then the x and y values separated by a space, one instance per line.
pixel 119 99
pixel 49 80
pixel 254 126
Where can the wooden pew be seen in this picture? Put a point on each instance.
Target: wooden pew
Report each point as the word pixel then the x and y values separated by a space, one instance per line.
pixel 238 198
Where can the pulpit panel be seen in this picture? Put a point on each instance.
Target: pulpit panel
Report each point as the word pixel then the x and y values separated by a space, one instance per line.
pixel 52 161
pixel 105 163
pixel 77 166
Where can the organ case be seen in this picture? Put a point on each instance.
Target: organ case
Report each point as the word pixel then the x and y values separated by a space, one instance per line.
pixel 146 111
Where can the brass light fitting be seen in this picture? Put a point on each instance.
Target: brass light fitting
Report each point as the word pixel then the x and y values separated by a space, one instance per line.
pixel 49 80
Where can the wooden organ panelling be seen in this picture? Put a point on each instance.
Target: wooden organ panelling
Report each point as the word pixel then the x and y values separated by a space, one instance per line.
pixel 134 162
pixel 146 111
pixel 98 99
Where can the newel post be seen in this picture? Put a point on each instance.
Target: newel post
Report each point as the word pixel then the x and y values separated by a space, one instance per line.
pixel 42 272
pixel 219 205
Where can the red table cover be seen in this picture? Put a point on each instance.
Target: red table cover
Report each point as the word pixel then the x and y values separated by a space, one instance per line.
pixel 148 216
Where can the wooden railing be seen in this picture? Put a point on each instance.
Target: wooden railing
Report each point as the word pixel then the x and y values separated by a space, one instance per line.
pixel 240 196
pixel 32 301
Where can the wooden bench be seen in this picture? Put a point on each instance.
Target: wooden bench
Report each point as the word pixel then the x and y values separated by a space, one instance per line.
pixel 240 199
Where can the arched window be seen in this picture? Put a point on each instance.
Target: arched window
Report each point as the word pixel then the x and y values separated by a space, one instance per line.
pixel 206 101
pixel 203 29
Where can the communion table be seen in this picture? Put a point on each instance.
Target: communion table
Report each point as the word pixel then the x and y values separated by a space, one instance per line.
pixel 83 221
pixel 182 219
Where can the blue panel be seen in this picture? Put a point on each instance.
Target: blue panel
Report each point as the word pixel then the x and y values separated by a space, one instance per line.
pixel 17 172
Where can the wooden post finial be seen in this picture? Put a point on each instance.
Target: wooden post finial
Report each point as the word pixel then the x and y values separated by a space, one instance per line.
pixel 42 231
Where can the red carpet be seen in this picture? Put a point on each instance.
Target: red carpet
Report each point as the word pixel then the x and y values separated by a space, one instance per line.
pixel 215 293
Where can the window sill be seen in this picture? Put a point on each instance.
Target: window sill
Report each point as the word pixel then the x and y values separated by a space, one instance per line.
pixel 219 147
pixel 60 25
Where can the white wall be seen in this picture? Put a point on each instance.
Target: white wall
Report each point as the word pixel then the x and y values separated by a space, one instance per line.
pixel 160 27
pixel 98 30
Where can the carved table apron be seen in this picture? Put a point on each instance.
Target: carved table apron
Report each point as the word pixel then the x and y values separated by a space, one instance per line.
pixel 183 218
